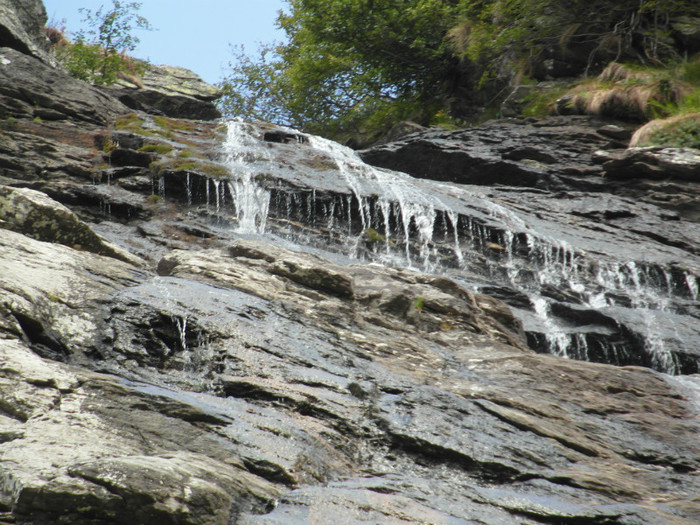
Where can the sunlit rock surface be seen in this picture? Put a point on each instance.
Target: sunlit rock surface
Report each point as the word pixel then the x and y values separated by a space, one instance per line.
pixel 168 90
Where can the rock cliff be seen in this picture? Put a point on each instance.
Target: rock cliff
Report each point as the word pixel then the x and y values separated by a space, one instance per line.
pixel 205 322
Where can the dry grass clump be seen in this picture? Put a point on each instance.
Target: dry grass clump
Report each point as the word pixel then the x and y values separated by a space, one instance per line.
pixel 625 93
pixel 676 131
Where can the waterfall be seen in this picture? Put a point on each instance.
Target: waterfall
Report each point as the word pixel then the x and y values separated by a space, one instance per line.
pixel 319 194
pixel 251 200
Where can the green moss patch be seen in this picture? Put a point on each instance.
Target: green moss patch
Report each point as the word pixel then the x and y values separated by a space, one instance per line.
pixel 129 122
pixel 156 148
pixel 194 165
pixel 542 102
pixel 172 124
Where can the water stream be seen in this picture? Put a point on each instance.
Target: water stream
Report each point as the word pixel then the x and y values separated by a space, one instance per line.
pixel 578 295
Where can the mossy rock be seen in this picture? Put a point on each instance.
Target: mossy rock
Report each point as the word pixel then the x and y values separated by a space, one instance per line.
pixel 173 124
pixel 133 123
pixel 371 236
pixel 161 149
pixel 202 167
pixel 129 122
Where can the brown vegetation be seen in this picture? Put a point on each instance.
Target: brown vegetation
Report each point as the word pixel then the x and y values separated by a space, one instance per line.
pixel 625 93
pixel 56 36
pixel 648 133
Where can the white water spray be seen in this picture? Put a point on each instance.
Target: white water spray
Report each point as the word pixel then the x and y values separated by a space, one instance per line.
pixel 250 199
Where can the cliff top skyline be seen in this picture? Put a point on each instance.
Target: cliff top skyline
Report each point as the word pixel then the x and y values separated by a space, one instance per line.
pixel 209 27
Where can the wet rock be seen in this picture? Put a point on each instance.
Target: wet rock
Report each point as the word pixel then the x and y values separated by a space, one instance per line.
pixel 114 453
pixel 653 163
pixel 435 401
pixel 316 277
pixel 36 215
pixel 552 154
pixel 616 132
pixel 130 157
pixel 49 293
pixel 400 130
pixel 49 151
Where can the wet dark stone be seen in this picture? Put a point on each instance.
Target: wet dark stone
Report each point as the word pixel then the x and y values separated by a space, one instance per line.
pixel 129 157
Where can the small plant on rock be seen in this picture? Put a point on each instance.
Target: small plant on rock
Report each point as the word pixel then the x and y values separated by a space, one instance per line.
pixel 419 303
pixel 99 55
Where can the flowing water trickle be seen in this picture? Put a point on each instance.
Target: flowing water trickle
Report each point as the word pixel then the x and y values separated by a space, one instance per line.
pixel 251 200
pixel 577 298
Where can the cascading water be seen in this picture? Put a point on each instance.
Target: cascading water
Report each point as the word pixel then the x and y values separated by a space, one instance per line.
pixel 575 296
pixel 250 199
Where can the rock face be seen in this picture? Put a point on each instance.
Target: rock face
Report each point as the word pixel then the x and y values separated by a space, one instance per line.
pixel 549 154
pixel 553 154
pixel 205 324
pixel 31 89
pixel 170 91
pixel 22 28
pixel 261 385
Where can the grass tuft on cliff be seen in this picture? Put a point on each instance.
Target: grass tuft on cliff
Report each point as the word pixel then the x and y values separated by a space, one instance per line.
pixel 668 98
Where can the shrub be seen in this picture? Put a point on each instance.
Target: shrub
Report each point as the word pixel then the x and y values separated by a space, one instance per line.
pixel 99 55
pixel 680 131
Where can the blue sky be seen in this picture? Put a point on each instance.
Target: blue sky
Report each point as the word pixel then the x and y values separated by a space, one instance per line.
pixel 189 33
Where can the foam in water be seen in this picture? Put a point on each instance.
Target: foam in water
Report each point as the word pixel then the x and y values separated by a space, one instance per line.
pixel 251 200
pixel 557 338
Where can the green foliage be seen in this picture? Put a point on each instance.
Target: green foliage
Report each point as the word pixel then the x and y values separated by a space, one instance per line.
pixel 419 303
pixel 690 71
pixel 350 67
pixel 690 102
pixel 638 29
pixel 98 55
pixel 354 68
pixel 542 102
pixel 108 145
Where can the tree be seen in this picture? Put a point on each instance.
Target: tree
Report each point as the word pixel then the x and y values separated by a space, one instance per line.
pixel 99 53
pixel 639 30
pixel 349 66
pixel 356 67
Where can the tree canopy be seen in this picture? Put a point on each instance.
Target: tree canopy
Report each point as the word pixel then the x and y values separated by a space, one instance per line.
pixel 354 67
